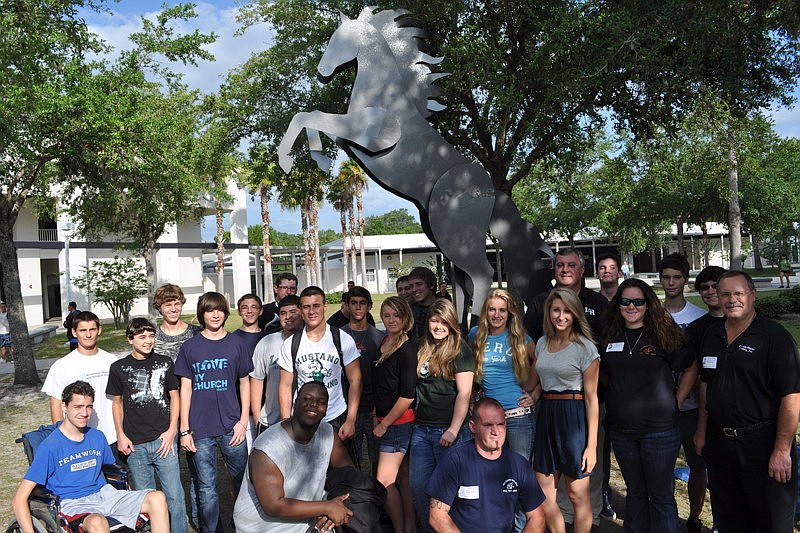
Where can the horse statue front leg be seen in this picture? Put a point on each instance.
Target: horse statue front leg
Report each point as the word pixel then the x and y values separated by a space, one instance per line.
pixel 370 128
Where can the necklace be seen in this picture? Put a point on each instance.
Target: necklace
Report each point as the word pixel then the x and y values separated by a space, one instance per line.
pixel 631 347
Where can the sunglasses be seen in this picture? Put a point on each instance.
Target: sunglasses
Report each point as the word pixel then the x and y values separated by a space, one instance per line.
pixel 637 302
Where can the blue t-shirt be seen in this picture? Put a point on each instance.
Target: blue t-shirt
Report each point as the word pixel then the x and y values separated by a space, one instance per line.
pixel 250 339
pixel 499 381
pixel 215 367
pixel 482 493
pixel 71 469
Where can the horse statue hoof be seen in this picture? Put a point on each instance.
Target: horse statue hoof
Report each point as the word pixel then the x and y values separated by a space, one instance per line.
pixel 286 162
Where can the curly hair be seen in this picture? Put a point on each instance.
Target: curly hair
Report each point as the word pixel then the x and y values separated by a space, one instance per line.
pixel 656 318
pixel 403 310
pixel 579 324
pixel 440 357
pixel 516 336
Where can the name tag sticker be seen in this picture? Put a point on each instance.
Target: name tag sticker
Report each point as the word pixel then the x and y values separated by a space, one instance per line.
pixel 709 362
pixel 615 346
pixel 469 493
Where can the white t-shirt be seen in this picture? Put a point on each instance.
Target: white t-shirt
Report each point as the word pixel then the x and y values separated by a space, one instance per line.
pixel 266 369
pixel 4 330
pixel 94 370
pixel 319 361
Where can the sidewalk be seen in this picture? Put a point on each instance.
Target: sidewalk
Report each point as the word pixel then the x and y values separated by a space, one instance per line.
pixel 41 364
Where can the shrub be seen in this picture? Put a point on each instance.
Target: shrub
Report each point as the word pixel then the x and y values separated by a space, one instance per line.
pixel 334 297
pixel 792 296
pixel 773 306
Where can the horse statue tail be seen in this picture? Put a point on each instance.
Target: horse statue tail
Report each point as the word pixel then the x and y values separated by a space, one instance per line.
pixel 522 244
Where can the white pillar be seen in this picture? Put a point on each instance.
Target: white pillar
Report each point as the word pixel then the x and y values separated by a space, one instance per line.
pixel 378 270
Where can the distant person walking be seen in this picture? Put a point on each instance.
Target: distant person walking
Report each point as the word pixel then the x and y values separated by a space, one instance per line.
pixel 5 334
pixel 73 311
pixel 785 267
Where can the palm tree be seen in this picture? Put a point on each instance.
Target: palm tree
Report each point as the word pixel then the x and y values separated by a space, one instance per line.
pixel 340 198
pixel 357 180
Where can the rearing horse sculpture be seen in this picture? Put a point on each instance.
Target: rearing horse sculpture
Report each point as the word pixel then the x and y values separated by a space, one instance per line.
pixel 386 130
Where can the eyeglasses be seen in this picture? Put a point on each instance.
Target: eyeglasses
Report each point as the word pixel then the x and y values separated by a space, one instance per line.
pixel 289 288
pixel 637 302
pixel 735 294
pixel 707 286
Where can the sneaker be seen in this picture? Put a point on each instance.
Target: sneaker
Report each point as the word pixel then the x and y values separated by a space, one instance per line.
pixel 608 511
pixel 694 525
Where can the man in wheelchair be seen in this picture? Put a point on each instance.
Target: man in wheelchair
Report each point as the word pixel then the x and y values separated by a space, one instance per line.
pixel 69 464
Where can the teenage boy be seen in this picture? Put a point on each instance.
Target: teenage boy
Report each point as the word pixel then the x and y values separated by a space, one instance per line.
pixel 674 275
pixel 214 412
pixel 266 372
pixel 69 463
pixel 144 392
pixel 173 332
pixel 403 287
pixel 318 358
pixel 285 285
pixel 608 274
pixel 86 363
pixel 423 285
pixel 249 307
pixel 368 341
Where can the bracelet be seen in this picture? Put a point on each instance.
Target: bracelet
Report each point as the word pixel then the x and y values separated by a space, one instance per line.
pixel 187 432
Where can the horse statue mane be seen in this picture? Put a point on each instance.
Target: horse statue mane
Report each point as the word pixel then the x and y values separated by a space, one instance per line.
pixel 387 132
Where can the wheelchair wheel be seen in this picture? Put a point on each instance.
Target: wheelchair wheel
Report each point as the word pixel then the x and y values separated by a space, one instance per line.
pixel 43 520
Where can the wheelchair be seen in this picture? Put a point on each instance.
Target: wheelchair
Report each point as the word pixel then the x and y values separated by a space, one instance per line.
pixel 46 507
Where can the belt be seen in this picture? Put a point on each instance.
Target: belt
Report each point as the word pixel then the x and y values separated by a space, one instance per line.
pixel 519 411
pixel 563 396
pixel 739 432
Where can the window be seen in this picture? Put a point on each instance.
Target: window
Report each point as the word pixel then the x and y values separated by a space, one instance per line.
pixel 371 274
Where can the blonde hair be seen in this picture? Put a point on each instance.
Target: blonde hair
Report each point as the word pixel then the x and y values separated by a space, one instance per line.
pixel 440 358
pixel 516 336
pixel 403 310
pixel 579 324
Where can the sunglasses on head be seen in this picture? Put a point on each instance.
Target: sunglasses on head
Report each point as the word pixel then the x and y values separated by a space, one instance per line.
pixel 637 302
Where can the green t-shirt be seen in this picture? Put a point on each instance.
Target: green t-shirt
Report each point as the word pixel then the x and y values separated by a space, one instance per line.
pixel 785 265
pixel 437 397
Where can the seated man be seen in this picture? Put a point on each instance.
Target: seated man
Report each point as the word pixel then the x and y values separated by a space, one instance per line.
pixel 284 483
pixel 69 463
pixel 478 484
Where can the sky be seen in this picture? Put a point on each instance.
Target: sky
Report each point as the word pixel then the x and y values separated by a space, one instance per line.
pixel 219 17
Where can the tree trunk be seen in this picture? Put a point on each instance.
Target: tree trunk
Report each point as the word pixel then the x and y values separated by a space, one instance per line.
pixel 149 255
pixel 353 266
pixel 220 250
pixel 24 363
pixel 734 210
pixel 359 200
pixel 706 245
pixel 757 253
pixel 306 247
pixel 343 220
pixel 681 243
pixel 314 234
pixel 269 295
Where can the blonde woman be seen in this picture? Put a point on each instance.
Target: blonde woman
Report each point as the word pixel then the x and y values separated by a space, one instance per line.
pixel 567 365
pixel 445 369
pixel 394 382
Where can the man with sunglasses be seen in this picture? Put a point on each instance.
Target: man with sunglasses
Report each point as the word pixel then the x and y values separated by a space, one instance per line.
pixel 749 410
pixel 285 284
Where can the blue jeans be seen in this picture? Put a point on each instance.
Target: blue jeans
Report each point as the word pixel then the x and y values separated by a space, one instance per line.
pixel 520 432
pixel 425 454
pixel 647 463
pixel 143 462
pixel 205 463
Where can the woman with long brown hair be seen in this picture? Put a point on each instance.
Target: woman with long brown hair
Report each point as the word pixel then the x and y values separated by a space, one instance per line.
pixel 445 369
pixel 641 348
pixel 394 382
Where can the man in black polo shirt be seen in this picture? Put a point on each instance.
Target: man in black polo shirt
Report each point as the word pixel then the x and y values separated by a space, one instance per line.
pixel 749 410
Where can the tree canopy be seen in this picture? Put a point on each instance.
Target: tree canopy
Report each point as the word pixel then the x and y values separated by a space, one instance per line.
pixel 395 222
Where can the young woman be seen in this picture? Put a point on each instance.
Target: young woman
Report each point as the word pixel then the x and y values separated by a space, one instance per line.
pixel 394 382
pixel 445 368
pixel 503 355
pixel 567 365
pixel 641 348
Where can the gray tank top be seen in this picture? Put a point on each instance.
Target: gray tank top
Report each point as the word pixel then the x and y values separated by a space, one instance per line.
pixel 303 467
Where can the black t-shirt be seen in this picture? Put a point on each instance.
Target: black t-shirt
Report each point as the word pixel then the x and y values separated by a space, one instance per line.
pixel 594 307
pixel 697 330
pixel 368 343
pixel 144 385
pixel 640 395
pixel 748 379
pixel 269 315
pixel 396 377
pixel 420 314
pixel 338 319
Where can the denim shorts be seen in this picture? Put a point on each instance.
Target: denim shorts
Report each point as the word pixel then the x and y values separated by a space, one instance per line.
pixel 5 339
pixel 397 438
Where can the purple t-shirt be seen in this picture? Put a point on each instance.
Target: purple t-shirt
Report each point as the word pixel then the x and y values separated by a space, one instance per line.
pixel 215 367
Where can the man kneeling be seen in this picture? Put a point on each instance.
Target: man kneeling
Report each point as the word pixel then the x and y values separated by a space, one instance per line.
pixel 479 483
pixel 69 464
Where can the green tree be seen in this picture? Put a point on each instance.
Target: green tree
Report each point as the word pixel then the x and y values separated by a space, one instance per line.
pixel 116 284
pixel 395 222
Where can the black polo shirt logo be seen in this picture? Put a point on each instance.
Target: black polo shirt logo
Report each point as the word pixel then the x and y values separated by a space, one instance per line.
pixel 747 349
pixel 648 349
pixel 510 485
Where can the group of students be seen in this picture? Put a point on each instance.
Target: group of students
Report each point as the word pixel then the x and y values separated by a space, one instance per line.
pixel 407 394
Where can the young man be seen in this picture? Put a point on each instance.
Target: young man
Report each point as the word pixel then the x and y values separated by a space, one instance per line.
pixel 173 332
pixel 266 372
pixel 478 484
pixel 443 292
pixel 285 285
pixel 249 307
pixel 144 390
pixel 674 275
pixel 318 359
pixel 87 363
pixel 368 341
pixel 214 370
pixel 608 274
pixel 69 463
pixel 284 486
pixel 73 310
pixel 423 285
pixel 5 334
pixel 403 287
pixel 341 317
